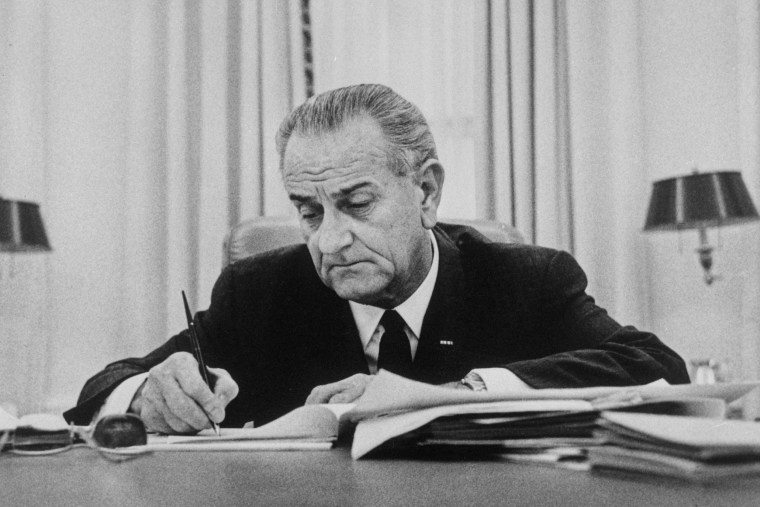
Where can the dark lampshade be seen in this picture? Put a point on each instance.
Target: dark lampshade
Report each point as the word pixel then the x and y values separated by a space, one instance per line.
pixel 699 200
pixel 21 227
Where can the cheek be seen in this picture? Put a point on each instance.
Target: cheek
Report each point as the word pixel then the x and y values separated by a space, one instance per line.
pixel 377 245
pixel 400 241
pixel 316 256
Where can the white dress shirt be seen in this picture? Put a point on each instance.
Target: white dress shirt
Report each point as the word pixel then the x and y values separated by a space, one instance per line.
pixel 367 320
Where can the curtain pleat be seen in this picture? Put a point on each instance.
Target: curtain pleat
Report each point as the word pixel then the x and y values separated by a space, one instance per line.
pixel 529 118
pixel 145 129
pixel 154 123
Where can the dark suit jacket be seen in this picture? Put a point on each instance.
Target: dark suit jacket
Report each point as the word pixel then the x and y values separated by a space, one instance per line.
pixel 280 332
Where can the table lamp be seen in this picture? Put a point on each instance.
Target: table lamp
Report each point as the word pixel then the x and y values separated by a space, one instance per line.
pixel 698 201
pixel 21 227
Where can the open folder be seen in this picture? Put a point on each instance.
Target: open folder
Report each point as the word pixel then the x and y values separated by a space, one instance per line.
pixel 393 406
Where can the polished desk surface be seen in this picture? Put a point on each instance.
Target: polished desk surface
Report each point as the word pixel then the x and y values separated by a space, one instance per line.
pixel 81 477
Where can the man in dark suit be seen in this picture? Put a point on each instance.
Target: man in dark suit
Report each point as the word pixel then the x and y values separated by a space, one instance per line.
pixel 379 284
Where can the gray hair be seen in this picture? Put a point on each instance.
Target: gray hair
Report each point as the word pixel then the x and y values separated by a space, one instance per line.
pixel 402 123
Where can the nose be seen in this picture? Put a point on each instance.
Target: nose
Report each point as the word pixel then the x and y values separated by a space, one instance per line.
pixel 333 234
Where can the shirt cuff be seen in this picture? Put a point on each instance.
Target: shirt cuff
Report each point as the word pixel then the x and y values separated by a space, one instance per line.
pixel 120 399
pixel 499 380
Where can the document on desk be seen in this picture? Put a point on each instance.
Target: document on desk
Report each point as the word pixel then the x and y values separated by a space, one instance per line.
pixel 692 448
pixel 390 393
pixel 311 427
pixel 7 421
pixel 42 422
pixel 394 407
pixel 397 412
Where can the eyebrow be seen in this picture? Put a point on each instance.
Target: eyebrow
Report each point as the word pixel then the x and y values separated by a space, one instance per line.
pixel 299 198
pixel 343 192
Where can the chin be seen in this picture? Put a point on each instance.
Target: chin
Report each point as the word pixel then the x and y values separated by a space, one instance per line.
pixel 361 293
pixel 359 296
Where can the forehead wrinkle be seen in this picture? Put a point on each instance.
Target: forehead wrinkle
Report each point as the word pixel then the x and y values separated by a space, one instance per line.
pixel 331 163
pixel 344 189
pixel 344 177
pixel 316 174
pixel 324 154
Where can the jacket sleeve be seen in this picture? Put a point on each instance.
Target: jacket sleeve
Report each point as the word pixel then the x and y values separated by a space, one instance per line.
pixel 210 323
pixel 593 349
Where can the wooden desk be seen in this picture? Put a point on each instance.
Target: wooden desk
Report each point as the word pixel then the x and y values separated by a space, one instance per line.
pixel 80 477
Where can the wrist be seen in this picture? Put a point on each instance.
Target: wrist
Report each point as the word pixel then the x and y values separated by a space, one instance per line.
pixel 135 406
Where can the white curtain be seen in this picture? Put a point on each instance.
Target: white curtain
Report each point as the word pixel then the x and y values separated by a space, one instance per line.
pixel 491 77
pixel 530 180
pixel 433 53
pixel 145 129
pixel 557 115
pixel 549 177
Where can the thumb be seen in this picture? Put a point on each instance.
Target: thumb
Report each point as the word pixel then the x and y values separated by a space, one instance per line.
pixel 225 388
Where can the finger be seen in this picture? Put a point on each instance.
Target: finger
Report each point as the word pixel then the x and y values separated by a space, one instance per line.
pixel 322 394
pixel 348 395
pixel 343 397
pixel 147 411
pixel 157 415
pixel 185 370
pixel 168 422
pixel 153 420
pixel 184 406
pixel 175 401
pixel 191 383
pixel 353 389
pixel 225 388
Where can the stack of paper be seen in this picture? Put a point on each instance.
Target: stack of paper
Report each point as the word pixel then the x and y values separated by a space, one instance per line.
pixel 692 448
pixel 398 413
pixel 544 425
pixel 33 431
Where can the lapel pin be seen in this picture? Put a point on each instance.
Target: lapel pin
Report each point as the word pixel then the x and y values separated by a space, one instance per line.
pixel 446 342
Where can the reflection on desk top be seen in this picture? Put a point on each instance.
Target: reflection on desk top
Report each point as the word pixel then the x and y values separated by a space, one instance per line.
pixel 81 478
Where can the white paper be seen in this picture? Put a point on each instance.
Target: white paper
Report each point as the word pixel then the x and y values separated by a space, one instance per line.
pixel 390 393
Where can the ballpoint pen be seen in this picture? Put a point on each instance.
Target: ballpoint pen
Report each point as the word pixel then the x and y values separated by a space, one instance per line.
pixel 198 355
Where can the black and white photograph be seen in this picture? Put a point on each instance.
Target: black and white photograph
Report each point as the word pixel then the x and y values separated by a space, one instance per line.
pixel 380 252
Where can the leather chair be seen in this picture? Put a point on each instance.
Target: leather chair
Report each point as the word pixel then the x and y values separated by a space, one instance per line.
pixel 256 235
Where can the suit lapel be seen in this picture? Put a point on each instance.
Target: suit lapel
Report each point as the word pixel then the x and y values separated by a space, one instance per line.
pixel 446 321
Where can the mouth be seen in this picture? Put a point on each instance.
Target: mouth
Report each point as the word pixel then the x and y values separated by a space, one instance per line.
pixel 344 265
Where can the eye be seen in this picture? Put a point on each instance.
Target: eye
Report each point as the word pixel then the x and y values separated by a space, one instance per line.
pixel 307 212
pixel 359 206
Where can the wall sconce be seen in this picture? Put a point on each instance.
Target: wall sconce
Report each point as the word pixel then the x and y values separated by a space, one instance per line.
pixel 21 227
pixel 699 201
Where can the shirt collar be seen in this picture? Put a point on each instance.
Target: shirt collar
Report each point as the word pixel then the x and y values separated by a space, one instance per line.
pixel 412 310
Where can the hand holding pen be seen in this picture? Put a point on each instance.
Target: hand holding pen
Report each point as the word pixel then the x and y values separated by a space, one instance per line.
pixel 176 399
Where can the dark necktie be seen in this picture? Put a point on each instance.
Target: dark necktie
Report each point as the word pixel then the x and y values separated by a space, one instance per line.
pixel 395 353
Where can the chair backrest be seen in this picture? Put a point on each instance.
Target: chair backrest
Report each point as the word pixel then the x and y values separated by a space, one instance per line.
pixel 256 235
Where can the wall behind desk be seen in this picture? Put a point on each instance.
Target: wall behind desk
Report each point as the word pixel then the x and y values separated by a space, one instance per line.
pixel 663 87
pixel 120 119
pixel 144 129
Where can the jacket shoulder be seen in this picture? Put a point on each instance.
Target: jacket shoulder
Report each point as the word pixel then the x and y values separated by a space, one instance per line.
pixel 516 264
pixel 268 273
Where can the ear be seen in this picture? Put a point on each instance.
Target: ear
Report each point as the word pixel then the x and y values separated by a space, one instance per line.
pixel 429 179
